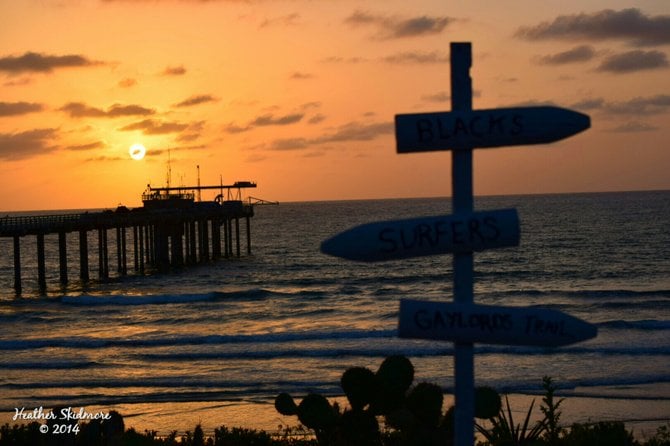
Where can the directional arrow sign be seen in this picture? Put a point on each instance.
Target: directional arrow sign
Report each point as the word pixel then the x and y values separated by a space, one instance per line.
pixel 415 237
pixel 490 324
pixel 486 128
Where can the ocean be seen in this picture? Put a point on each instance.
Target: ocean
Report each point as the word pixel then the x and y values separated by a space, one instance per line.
pixel 170 350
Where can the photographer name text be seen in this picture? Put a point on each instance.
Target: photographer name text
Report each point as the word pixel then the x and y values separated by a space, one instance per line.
pixel 65 414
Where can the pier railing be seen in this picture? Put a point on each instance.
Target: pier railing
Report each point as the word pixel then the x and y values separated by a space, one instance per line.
pixel 21 225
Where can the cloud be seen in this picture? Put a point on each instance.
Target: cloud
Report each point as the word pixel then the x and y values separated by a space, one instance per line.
pixel 356 131
pixel 42 63
pixel 127 82
pixel 85 147
pixel 442 96
pixel 286 20
pixel 582 53
pixel 297 75
pixel 19 108
pixel 81 110
pixel 267 119
pixel 234 128
pixel 188 137
pixel 17 146
pixel 635 60
pixel 196 100
pixel 174 71
pixel 317 118
pixel 18 82
pixel 634 127
pixel 156 127
pixel 270 119
pixel 393 27
pixel 630 24
pixel 659 103
pixel 289 144
pixel 589 104
pixel 635 107
pixel 350 132
pixel 417 57
pixel 340 59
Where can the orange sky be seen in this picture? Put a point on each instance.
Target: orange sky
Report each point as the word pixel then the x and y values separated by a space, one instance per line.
pixel 300 95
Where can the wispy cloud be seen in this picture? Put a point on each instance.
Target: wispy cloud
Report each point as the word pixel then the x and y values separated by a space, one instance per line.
pixel 19 108
pixel 635 107
pixel 127 82
pixel 156 127
pixel 395 27
pixel 297 75
pixel 316 119
pixel 285 20
pixel 351 132
pixel 267 119
pixel 357 131
pixel 86 147
pixel 589 104
pixel 23 145
pixel 417 57
pixel 340 59
pixel 629 24
pixel 633 127
pixel 440 96
pixel 174 71
pixel 43 63
pixel 18 82
pixel 270 119
pixel 636 60
pixel 582 53
pixel 196 100
pixel 81 110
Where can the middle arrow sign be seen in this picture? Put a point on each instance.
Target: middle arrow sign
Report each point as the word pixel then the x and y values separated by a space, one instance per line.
pixel 399 239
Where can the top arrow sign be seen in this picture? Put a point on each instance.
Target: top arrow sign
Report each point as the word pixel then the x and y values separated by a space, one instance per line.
pixel 486 128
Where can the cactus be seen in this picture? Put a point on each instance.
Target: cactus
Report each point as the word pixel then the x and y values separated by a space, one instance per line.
pixel 396 374
pixel 359 384
pixel 425 402
pixel 285 405
pixel 487 402
pixel 360 428
pixel 315 412
pixel 415 413
pixel 394 378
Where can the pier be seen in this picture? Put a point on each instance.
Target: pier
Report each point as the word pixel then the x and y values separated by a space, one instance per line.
pixel 170 230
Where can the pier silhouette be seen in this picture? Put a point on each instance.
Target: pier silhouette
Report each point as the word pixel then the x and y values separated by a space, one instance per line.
pixel 171 229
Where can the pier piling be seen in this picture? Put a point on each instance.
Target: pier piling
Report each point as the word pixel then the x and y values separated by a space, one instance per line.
pixel 62 257
pixel 17 264
pixel 41 269
pixel 83 256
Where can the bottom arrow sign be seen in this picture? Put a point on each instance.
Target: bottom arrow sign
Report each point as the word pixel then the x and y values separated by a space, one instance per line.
pixel 470 323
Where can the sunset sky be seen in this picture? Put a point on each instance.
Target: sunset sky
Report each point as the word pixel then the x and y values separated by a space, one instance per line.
pixel 300 95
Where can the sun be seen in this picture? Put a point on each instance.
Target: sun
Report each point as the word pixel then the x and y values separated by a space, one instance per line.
pixel 137 151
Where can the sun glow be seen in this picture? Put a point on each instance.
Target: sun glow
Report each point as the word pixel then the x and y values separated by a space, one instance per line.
pixel 137 151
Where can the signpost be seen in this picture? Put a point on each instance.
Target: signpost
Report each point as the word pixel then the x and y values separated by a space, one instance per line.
pixel 466 231
pixel 490 324
pixel 415 237
pixel 486 128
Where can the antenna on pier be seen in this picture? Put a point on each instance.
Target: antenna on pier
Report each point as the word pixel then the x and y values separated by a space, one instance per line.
pixel 199 196
pixel 169 170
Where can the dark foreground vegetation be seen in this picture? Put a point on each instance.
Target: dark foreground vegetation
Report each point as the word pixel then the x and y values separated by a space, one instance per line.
pixel 410 415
